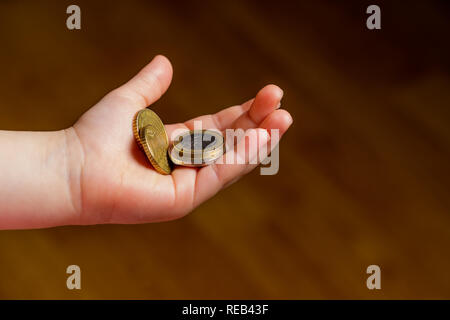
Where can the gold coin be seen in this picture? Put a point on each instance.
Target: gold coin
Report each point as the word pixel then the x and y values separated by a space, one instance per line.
pixel 151 137
pixel 197 148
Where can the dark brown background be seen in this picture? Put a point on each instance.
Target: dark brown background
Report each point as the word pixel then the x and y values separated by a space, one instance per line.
pixel 364 175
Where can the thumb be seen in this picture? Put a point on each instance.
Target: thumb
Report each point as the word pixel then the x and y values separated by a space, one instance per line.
pixel 149 84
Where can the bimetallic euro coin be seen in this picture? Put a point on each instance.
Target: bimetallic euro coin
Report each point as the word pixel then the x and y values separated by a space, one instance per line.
pixel 151 136
pixel 197 148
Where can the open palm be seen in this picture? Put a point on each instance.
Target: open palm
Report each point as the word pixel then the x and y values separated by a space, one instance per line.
pixel 116 182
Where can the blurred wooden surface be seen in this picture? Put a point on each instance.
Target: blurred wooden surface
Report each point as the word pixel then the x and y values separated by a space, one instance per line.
pixel 364 175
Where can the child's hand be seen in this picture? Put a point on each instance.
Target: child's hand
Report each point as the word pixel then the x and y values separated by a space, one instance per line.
pixel 107 179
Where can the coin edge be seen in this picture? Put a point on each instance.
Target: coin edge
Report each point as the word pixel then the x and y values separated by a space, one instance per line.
pixel 143 144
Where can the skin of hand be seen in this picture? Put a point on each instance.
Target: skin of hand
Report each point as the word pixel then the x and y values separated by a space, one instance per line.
pixel 94 172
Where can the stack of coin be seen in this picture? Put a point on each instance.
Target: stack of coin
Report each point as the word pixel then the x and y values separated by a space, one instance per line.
pixel 151 136
pixel 191 148
pixel 197 148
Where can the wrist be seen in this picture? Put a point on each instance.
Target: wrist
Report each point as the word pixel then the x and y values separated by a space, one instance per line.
pixel 73 165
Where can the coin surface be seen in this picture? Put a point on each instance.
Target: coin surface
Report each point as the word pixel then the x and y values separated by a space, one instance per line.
pixel 197 148
pixel 151 136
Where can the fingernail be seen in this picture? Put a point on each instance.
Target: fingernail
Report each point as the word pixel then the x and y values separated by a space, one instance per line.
pixel 291 120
